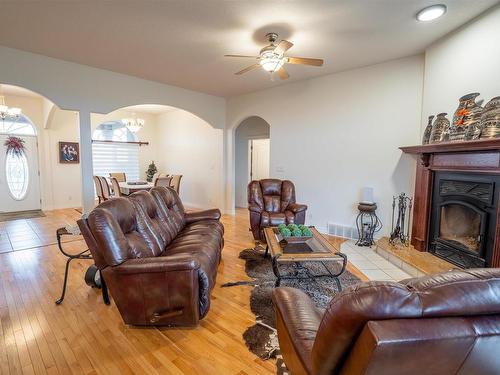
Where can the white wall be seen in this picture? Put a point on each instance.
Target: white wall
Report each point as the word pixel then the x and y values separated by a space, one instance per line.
pixel 191 147
pixel 467 60
pixel 250 128
pixel 335 134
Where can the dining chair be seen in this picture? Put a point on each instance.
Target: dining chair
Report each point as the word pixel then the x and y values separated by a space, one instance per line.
pixel 175 183
pixel 98 188
pixel 163 181
pixel 121 177
pixel 116 188
pixel 106 192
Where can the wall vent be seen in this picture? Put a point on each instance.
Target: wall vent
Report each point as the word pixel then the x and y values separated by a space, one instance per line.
pixel 342 231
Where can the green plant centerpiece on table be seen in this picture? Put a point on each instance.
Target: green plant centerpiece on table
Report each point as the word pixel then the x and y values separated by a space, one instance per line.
pixel 294 230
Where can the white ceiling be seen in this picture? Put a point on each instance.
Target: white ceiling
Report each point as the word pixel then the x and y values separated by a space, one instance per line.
pixel 182 42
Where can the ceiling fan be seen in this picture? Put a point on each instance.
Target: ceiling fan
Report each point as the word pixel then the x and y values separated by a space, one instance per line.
pixel 272 58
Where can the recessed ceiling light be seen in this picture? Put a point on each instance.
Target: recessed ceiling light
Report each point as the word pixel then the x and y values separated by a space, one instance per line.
pixel 431 13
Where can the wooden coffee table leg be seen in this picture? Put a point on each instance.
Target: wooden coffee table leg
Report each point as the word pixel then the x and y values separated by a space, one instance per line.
pixel 276 271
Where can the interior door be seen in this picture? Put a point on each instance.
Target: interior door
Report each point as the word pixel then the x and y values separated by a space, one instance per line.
pixel 259 158
pixel 30 200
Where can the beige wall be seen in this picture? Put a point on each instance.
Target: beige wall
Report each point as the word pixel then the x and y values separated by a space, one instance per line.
pixel 335 134
pixel 191 147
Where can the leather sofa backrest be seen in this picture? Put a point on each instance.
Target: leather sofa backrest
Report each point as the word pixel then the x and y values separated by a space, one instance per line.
pixel 170 208
pixel 473 293
pixel 271 195
pixel 156 232
pixel 114 227
pixel 454 345
pixel 99 260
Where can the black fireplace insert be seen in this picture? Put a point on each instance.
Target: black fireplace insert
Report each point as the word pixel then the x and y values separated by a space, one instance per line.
pixel 463 218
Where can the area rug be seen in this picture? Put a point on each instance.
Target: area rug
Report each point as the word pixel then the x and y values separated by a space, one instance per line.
pixel 9 216
pixel 261 337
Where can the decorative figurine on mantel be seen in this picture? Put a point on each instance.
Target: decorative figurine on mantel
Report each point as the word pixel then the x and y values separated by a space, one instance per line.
pixel 367 221
pixel 400 230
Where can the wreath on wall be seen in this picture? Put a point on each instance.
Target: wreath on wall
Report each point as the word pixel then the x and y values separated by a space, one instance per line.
pixel 15 145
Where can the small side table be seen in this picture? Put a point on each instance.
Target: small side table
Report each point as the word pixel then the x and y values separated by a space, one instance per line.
pixel 85 254
pixel 367 223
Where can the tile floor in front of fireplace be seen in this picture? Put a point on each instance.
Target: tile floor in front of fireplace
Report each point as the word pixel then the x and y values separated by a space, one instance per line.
pixel 371 264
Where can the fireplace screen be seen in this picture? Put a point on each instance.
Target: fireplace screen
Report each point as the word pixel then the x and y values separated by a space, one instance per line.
pixel 460 225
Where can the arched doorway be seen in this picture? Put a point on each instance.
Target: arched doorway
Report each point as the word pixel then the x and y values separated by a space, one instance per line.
pixel 177 141
pixel 251 156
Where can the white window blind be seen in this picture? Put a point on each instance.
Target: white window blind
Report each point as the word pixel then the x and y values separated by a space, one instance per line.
pixel 116 157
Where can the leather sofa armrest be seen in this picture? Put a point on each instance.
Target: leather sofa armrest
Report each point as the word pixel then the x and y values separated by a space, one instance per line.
pixel 296 207
pixel 254 208
pixel 212 214
pixel 157 264
pixel 297 323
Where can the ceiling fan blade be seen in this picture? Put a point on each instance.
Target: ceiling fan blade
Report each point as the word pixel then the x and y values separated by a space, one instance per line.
pixel 282 47
pixel 249 57
pixel 283 73
pixel 305 61
pixel 247 69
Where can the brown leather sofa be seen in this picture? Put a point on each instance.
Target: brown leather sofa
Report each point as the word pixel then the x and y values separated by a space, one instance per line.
pixel 272 202
pixel 443 324
pixel 159 262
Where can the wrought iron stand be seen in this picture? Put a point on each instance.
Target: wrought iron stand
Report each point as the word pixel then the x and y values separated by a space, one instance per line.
pixel 367 223
pixel 81 255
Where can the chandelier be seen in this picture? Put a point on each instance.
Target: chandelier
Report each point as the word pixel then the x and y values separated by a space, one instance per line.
pixel 6 112
pixel 133 124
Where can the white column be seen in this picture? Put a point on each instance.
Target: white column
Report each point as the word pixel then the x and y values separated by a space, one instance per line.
pixel 88 200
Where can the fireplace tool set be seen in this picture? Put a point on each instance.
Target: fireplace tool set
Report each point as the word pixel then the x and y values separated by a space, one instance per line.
pixel 400 230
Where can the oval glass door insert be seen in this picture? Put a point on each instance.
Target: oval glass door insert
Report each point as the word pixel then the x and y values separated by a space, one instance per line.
pixel 17 174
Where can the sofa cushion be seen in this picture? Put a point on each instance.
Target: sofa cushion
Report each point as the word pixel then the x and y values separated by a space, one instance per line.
pixel 268 219
pixel 156 232
pixel 114 226
pixel 171 209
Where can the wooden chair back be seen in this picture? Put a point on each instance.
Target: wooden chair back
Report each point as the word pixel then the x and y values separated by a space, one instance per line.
pixel 163 181
pixel 121 177
pixel 98 188
pixel 175 183
pixel 116 187
pixel 106 192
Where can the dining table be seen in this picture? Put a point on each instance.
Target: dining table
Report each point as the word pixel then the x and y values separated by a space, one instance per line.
pixel 128 188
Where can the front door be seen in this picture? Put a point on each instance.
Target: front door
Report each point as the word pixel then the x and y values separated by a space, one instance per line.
pixel 19 179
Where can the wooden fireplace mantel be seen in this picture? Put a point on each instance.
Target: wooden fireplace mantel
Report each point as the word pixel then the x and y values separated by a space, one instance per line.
pixel 482 156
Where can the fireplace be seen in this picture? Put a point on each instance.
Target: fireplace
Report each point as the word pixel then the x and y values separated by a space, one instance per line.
pixel 456 215
pixel 463 218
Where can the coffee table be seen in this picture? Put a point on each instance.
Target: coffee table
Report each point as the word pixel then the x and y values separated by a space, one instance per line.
pixel 317 249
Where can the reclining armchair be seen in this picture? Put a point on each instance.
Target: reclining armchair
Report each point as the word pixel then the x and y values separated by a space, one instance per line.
pixel 441 324
pixel 159 262
pixel 272 202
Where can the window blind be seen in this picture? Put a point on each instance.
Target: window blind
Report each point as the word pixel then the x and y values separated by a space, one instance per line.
pixel 116 157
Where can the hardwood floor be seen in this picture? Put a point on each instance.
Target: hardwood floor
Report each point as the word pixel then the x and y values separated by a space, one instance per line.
pixel 84 336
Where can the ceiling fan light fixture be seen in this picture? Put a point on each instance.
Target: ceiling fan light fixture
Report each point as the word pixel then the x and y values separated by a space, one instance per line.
pixel 271 62
pixel 431 13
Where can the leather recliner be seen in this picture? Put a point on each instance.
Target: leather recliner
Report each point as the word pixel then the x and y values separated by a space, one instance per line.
pixel 272 202
pixel 159 262
pixel 443 324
